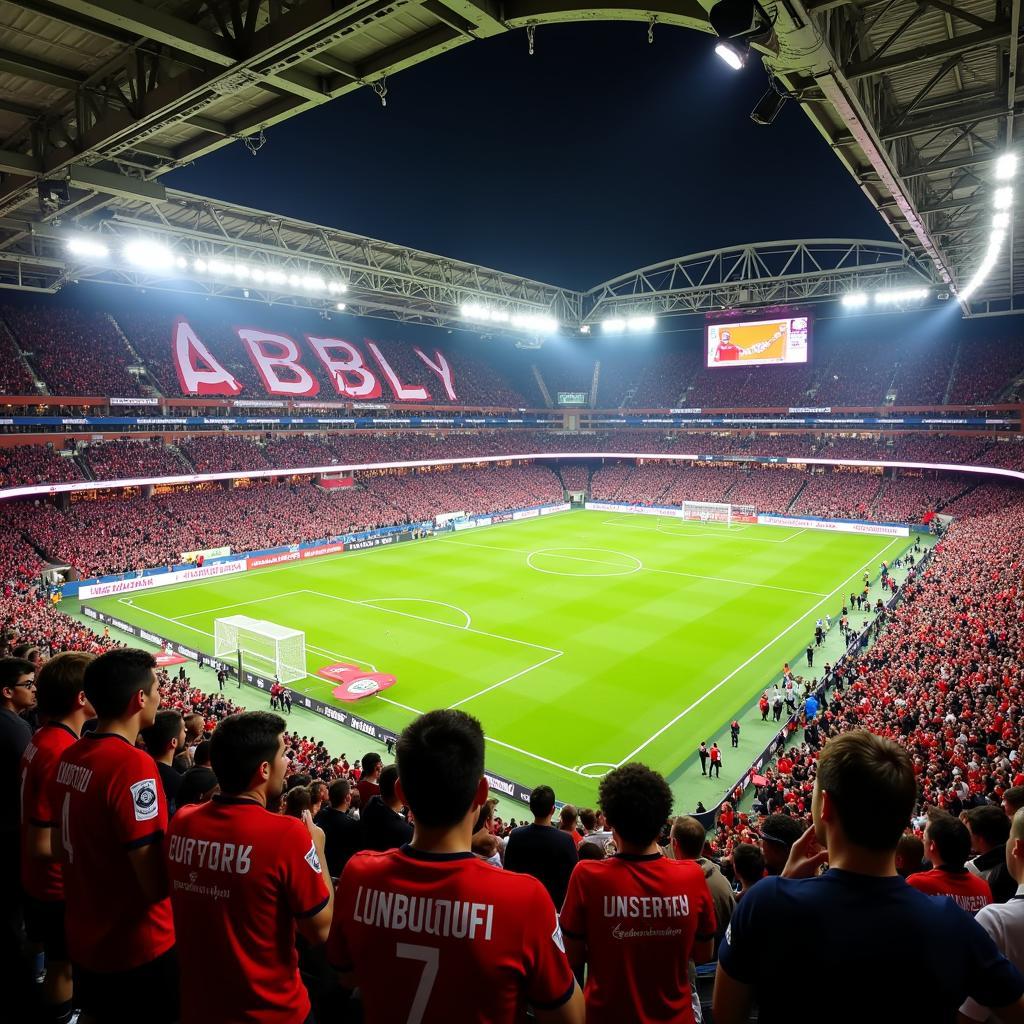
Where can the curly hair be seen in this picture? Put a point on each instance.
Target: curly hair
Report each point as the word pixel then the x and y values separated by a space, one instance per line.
pixel 636 802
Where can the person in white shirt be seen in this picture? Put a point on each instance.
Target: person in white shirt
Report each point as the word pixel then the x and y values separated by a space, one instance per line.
pixel 1004 922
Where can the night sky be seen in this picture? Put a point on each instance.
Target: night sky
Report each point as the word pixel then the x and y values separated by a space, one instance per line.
pixel 597 155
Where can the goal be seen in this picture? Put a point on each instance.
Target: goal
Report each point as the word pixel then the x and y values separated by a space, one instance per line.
pixel 718 512
pixel 267 649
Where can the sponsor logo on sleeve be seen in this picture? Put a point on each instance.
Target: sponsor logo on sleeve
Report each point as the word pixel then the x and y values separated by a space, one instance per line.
pixel 312 859
pixel 144 800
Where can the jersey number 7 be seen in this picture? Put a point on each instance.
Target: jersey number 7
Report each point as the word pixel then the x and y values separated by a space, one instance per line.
pixel 429 957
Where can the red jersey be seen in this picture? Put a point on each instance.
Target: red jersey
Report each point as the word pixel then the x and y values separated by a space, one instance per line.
pixel 41 879
pixel 367 788
pixel 727 352
pixel 447 937
pixel 110 801
pixel 970 892
pixel 640 917
pixel 240 876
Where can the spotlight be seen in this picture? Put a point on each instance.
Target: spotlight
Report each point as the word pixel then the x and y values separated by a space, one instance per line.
pixel 733 55
pixel 640 323
pixel 88 247
pixel 854 300
pixel 340 307
pixel 1002 199
pixel 584 328
pixel 144 252
pixel 1006 166
pixel 768 107
pixel 1001 221
pixel 614 325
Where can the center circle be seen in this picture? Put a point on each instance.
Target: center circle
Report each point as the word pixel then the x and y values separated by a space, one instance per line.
pixel 583 562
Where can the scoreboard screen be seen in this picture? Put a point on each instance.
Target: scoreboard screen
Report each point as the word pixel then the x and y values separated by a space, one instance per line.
pixel 759 342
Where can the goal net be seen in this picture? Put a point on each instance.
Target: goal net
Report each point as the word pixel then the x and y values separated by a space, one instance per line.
pixel 719 512
pixel 267 648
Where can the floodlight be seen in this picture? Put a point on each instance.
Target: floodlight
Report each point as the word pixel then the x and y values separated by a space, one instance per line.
pixel 144 252
pixel 640 323
pixel 1001 221
pixel 732 54
pixel 614 325
pixel 1006 166
pixel 258 274
pixel 736 18
pixel 1002 198
pixel 897 295
pixel 768 108
pixel 584 328
pixel 855 300
pixel 88 247
pixel 340 307
pixel 199 266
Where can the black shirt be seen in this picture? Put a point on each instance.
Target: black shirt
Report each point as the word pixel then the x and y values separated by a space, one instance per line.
pixel 15 734
pixel 545 852
pixel 342 838
pixel 383 828
pixel 171 779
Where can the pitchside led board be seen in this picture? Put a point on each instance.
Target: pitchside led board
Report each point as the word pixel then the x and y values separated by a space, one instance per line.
pixel 759 342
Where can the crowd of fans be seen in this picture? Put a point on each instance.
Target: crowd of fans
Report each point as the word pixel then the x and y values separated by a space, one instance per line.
pixel 80 352
pixel 34 463
pixel 124 459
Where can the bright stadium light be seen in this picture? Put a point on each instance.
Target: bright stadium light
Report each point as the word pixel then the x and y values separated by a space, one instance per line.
pixel 614 325
pixel 340 307
pixel 900 295
pixel 1002 198
pixel 1001 221
pixel 731 54
pixel 854 300
pixel 144 252
pixel 1006 166
pixel 584 328
pixel 199 266
pixel 88 248
pixel 638 324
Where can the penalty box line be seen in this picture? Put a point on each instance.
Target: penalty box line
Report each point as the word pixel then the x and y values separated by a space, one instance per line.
pixel 388 700
pixel 739 668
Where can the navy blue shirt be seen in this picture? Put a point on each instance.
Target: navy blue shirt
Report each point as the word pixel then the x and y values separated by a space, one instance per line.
pixel 869 949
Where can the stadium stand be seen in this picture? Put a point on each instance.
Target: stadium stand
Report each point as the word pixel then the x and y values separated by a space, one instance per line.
pixel 35 463
pixel 124 459
pixel 79 353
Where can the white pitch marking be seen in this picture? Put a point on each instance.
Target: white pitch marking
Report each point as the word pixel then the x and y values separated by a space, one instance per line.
pixel 507 679
pixel 700 700
pixel 646 568
pixel 437 622
pixel 238 604
pixel 374 601
pixel 687 535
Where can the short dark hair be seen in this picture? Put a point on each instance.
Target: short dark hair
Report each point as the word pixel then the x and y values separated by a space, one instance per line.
pixel 195 783
pixel 370 762
pixel 691 836
pixel 591 851
pixel 240 744
pixel 951 838
pixel 12 669
pixel 748 862
pixel 568 815
pixel 588 817
pixel 388 778
pixel 781 829
pixel 636 802
pixel 1014 796
pixel 870 780
pixel 338 792
pixel 167 726
pixel 297 800
pixel 440 760
pixel 201 754
pixel 542 801
pixel 115 677
pixel 989 823
pixel 60 681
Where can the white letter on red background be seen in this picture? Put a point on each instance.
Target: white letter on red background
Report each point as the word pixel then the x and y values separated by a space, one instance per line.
pixel 441 368
pixel 351 376
pixel 402 393
pixel 297 380
pixel 199 373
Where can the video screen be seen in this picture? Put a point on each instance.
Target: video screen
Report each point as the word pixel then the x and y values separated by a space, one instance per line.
pixel 759 342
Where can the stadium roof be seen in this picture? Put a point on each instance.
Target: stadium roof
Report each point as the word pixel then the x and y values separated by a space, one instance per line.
pixel 99 99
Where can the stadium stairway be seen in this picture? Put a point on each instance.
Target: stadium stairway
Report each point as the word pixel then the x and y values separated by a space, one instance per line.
pixel 145 377
pixel 797 495
pixel 541 386
pixel 12 339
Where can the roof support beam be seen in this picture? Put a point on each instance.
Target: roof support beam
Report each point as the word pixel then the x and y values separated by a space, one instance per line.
pixel 97 28
pixel 24 66
pixel 134 18
pixel 945 118
pixel 18 163
pixel 932 51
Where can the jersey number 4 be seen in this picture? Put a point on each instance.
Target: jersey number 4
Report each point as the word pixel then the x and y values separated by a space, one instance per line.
pixel 429 958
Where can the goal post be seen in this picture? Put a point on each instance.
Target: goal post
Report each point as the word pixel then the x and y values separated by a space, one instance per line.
pixel 708 512
pixel 719 512
pixel 267 648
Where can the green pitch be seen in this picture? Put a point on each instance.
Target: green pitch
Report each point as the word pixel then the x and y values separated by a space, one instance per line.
pixel 580 640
